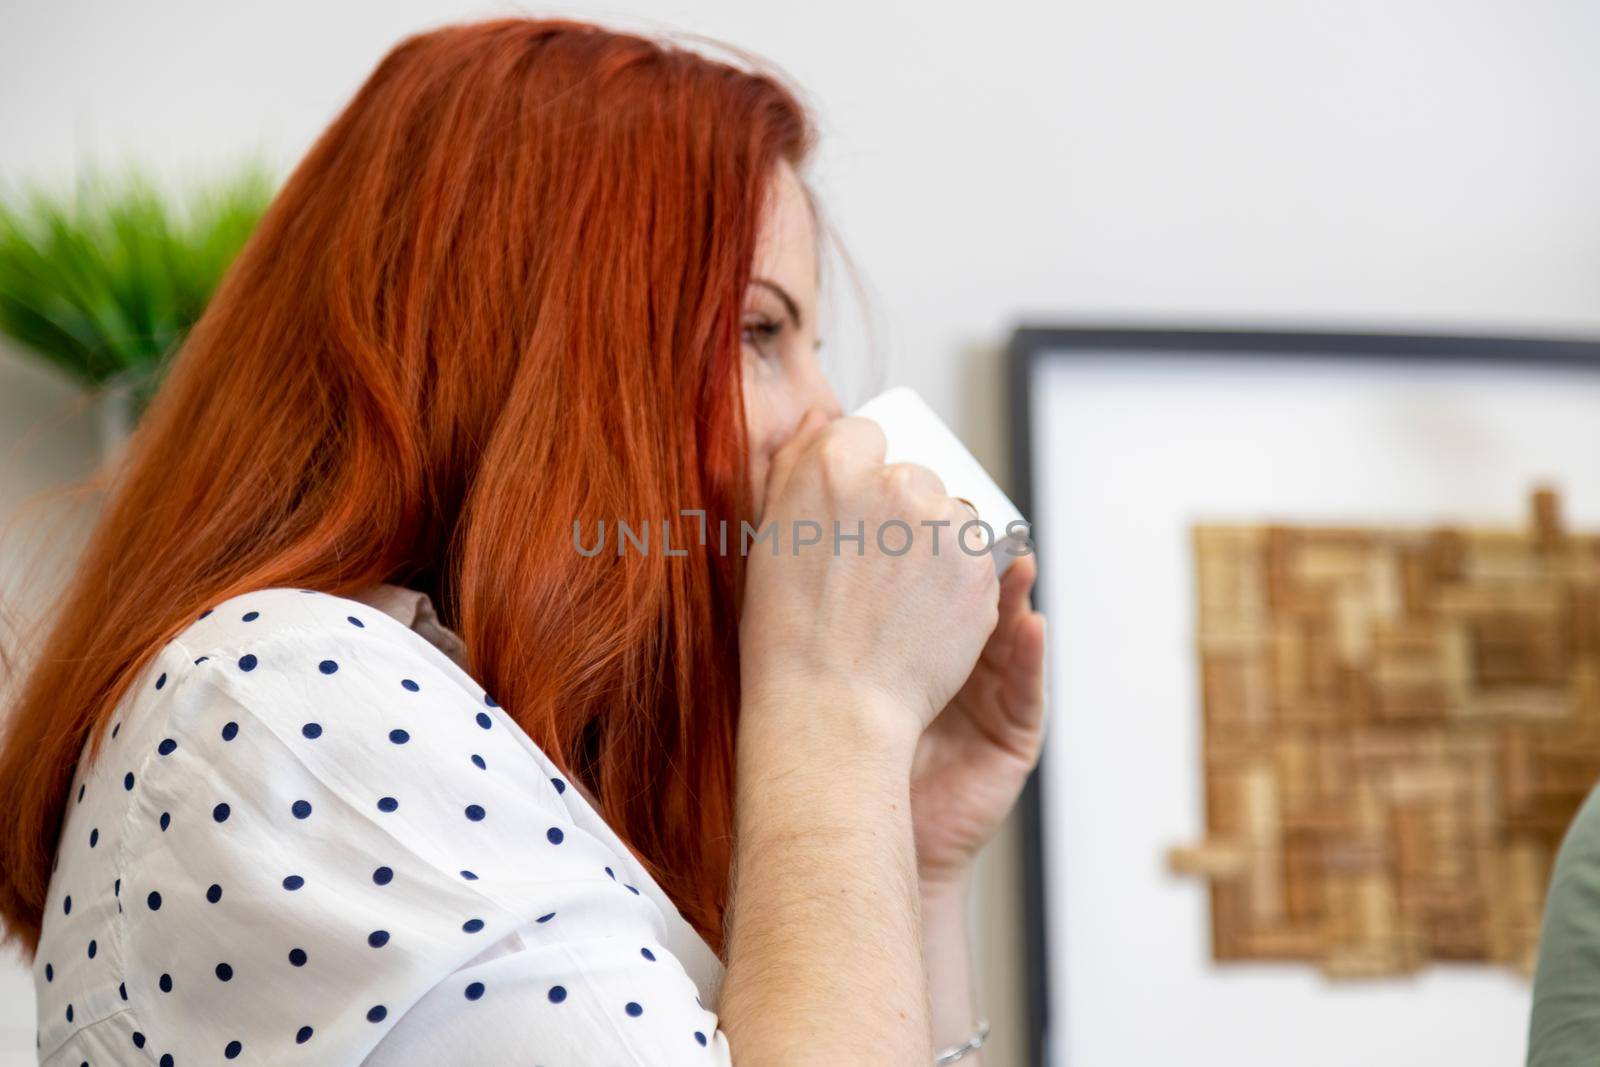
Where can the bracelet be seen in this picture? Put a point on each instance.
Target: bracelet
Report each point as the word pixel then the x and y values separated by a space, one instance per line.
pixel 956 1052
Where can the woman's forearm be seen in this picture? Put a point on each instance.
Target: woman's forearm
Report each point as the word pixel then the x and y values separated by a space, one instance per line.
pixel 824 942
pixel 947 949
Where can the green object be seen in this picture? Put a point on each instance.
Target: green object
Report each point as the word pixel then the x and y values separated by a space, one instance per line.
pixel 1565 1025
pixel 104 280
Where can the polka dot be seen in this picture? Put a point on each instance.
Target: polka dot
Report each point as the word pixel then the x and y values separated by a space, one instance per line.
pixel 49 973
pixel 201 659
pixel 408 685
pixel 166 821
pixel 166 1060
pixel 81 788
pixel 122 990
pixel 293 882
pixel 224 972
pixel 94 837
pixel 647 954
pixel 387 803
pixel 472 926
pixel 250 616
pixel 484 720
pixel 631 889
pixel 558 993
pixel 477 761
pixel 378 938
pixel 214 894
pixel 204 613
pixel 220 812
pixel 167 747
pixel 698 1036
pixel 302 1035
pixel 161 681
pixel 554 835
pixel 301 809
pixel 127 780
pixel 247 662
pixel 376 1013
pixel 545 917
pixel 153 900
pixel 115 729
pixel 165 983
pixel 469 876
pixel 383 876
pixel 232 1050
pixel 634 1009
pixel 69 1013
pixel 474 991
pixel 399 737
pixel 353 621
pixel 297 957
pixel 475 812
pixel 489 700
pixel 611 874
pixel 66 905
pixel 138 1039
pixel 116 888
pixel 230 731
pixel 312 730
pixel 327 666
pixel 93 945
pixel 561 787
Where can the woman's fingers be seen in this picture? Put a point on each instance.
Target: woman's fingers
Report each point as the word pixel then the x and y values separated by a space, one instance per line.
pixel 1015 585
pixel 812 423
pixel 1022 681
pixel 915 476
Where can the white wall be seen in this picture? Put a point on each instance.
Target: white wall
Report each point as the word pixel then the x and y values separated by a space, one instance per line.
pixel 1426 163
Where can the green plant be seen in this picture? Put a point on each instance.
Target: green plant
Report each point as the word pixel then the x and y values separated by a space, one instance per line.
pixel 104 280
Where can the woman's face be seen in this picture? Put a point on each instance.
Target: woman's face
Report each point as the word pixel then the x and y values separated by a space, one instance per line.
pixel 782 376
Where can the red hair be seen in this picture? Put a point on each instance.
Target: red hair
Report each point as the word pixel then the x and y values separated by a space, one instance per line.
pixel 502 292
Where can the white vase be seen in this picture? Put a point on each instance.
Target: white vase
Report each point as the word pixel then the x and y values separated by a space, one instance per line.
pixel 114 418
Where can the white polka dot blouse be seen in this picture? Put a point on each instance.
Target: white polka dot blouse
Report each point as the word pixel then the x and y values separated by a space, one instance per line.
pixel 309 836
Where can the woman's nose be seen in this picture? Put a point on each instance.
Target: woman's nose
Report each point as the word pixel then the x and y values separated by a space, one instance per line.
pixel 820 394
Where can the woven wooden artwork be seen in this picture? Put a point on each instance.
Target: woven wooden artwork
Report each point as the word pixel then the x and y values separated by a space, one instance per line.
pixel 1398 727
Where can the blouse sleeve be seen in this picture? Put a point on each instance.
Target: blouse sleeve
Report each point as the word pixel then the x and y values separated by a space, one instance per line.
pixel 341 857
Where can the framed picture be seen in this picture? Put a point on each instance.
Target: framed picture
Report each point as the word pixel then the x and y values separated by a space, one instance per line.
pixel 1303 591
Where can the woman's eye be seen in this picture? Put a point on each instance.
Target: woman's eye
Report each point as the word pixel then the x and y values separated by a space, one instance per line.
pixel 762 333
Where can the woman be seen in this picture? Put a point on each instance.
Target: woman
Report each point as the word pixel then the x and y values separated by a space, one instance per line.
pixel 536 277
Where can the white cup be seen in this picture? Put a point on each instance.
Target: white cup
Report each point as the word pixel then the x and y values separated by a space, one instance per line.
pixel 916 435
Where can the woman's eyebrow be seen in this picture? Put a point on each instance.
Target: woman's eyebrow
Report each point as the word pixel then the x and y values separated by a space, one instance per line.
pixel 782 294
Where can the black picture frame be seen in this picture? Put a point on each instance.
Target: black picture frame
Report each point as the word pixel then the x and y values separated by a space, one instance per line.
pixel 1032 345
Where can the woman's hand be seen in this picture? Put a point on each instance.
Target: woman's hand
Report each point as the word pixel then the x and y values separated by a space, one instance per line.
pixel 833 622
pixel 845 657
pixel 972 761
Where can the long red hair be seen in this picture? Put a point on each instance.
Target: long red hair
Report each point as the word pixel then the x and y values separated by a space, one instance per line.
pixel 502 292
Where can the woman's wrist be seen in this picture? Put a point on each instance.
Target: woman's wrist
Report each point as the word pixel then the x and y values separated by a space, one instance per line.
pixel 851 722
pixel 947 951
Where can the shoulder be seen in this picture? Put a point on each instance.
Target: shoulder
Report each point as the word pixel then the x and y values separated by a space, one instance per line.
pixel 328 823
pixel 281 649
pixel 290 694
pixel 243 625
